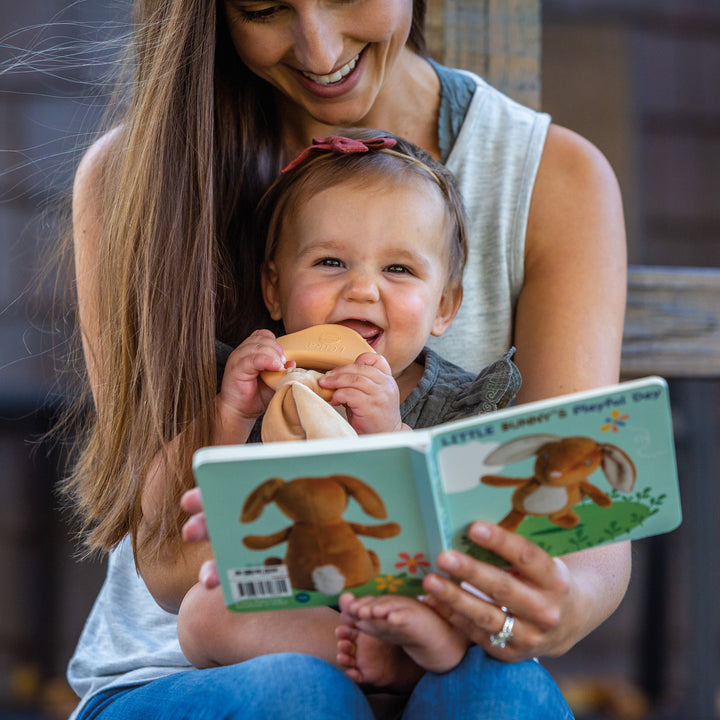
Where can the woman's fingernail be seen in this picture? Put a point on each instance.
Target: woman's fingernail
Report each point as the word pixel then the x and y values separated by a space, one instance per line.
pixel 450 561
pixel 432 583
pixel 479 532
pixel 205 572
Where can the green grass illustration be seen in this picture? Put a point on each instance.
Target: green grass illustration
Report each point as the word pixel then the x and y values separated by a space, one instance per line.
pixel 597 525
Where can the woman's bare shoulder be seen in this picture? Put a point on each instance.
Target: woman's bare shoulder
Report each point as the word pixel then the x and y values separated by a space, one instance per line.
pixel 572 161
pixel 89 185
pixel 93 165
pixel 575 188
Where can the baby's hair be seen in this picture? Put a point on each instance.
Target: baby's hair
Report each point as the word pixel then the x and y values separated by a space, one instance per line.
pixel 321 167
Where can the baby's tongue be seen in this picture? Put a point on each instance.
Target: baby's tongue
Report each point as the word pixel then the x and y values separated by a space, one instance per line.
pixel 365 329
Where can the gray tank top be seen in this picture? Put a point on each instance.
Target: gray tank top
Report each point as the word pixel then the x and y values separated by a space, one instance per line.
pixel 128 639
pixel 495 157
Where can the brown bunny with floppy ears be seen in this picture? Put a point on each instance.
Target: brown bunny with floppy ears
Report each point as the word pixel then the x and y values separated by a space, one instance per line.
pixel 559 481
pixel 324 552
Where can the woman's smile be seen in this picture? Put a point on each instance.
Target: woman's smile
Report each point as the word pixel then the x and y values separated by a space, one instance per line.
pixel 336 76
pixel 335 84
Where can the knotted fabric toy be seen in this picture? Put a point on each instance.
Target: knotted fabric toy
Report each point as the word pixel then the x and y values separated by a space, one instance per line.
pixel 300 408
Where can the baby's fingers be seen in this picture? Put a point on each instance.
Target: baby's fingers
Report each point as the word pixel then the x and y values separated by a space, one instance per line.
pixel 365 369
pixel 371 359
pixel 260 351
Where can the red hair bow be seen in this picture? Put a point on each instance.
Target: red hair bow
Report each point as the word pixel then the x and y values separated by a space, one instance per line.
pixel 342 146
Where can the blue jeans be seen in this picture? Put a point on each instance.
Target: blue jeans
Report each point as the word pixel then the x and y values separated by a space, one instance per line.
pixel 292 686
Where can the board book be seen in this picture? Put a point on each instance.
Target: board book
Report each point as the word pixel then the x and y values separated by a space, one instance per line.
pixel 293 524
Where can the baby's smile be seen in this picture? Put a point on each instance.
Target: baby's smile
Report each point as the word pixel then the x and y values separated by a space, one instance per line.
pixel 370 332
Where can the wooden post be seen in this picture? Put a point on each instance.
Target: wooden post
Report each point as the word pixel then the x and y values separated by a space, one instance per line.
pixel 497 39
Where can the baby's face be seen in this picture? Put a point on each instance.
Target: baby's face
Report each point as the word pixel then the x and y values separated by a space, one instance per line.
pixel 372 258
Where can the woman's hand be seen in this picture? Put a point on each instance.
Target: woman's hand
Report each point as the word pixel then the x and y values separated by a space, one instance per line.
pixel 554 602
pixel 368 391
pixel 195 530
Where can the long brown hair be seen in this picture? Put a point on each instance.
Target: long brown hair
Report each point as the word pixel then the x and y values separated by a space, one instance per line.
pixel 178 267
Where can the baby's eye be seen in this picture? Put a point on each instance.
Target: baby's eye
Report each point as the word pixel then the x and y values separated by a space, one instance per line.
pixel 397 269
pixel 330 262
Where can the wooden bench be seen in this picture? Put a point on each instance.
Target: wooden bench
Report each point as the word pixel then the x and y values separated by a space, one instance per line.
pixel 672 325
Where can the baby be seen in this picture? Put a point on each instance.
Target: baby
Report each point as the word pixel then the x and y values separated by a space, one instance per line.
pixel 367 232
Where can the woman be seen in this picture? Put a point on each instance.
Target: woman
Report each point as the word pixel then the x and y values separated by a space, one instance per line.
pixel 166 263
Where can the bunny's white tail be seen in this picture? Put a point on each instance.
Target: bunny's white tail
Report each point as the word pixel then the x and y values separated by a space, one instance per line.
pixel 328 580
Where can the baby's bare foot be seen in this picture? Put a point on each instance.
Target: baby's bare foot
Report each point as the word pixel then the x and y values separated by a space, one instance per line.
pixel 426 638
pixel 368 660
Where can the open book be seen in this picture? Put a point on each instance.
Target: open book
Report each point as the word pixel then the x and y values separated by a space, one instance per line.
pixel 293 524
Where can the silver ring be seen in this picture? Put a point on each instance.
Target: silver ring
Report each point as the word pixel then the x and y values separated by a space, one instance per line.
pixel 499 640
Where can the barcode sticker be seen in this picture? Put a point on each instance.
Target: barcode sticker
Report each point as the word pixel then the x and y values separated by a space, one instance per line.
pixel 259 582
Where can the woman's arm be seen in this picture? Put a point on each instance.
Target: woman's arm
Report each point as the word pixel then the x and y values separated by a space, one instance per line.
pixel 568 334
pixel 569 320
pixel 571 312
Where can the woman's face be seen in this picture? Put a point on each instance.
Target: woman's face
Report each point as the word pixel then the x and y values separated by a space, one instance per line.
pixel 331 58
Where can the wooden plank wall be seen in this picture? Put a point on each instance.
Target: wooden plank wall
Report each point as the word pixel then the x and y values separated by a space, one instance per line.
pixel 673 314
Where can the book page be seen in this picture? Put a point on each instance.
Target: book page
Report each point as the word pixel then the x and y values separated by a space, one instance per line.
pixel 569 474
pixel 293 530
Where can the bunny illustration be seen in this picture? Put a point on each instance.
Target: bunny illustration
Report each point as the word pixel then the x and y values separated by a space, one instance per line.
pixel 559 480
pixel 323 552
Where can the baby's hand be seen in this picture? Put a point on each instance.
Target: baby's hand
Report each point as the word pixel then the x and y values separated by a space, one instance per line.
pixel 242 393
pixel 368 391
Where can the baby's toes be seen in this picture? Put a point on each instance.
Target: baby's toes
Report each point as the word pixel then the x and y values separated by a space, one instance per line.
pixel 346 662
pixel 346 632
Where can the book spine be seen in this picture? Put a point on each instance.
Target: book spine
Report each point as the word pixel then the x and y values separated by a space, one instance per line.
pixel 431 499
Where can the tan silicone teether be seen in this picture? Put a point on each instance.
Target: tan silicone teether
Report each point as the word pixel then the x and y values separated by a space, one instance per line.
pixel 320 347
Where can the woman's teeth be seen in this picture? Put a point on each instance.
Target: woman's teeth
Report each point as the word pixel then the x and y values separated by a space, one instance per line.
pixel 336 76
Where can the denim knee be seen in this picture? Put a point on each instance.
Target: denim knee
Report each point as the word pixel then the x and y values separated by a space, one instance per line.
pixel 484 688
pixel 292 686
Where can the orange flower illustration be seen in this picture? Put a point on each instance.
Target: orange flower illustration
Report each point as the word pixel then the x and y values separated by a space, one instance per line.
pixel 388 583
pixel 614 422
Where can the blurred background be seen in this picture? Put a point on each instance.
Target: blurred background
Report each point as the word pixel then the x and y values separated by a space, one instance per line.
pixel 639 78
